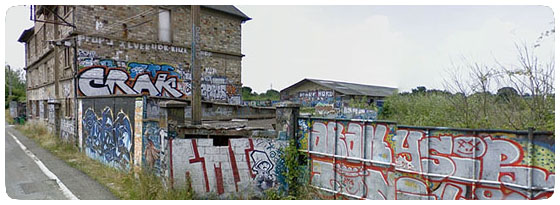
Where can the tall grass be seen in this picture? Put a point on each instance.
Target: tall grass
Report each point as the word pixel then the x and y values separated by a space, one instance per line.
pixel 478 111
pixel 8 117
pixel 124 185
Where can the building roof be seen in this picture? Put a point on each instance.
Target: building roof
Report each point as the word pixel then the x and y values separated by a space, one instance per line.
pixel 26 34
pixel 228 9
pixel 349 88
pixel 232 10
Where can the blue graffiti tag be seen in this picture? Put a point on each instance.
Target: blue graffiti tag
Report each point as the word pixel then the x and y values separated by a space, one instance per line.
pixel 138 68
pixel 108 140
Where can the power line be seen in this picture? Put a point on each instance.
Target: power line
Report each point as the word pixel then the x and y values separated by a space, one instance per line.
pixel 107 29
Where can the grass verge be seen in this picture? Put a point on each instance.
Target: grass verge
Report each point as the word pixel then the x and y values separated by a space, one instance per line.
pixel 9 118
pixel 145 185
pixel 139 186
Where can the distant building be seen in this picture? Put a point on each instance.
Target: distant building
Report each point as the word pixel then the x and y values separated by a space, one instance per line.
pixel 333 96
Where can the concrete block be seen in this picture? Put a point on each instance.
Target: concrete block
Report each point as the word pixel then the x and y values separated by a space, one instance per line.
pixel 204 142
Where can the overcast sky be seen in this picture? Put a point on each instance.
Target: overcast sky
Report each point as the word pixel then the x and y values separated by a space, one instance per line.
pixel 397 46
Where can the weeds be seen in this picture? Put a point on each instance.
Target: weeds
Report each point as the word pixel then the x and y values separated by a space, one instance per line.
pixel 144 185
pixel 9 118
pixel 296 177
pixel 137 186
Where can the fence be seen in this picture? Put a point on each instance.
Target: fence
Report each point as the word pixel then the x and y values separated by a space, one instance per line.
pixel 382 160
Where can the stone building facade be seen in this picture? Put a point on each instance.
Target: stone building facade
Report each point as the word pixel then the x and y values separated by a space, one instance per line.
pixel 81 51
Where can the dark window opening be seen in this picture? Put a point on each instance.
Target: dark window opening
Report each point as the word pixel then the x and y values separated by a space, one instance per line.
pixel 217 140
pixel 220 141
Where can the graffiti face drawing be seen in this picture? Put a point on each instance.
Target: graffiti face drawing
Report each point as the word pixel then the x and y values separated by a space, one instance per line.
pixel 262 166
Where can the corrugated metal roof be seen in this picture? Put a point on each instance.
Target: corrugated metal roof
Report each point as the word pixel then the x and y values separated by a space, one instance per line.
pixel 229 9
pixel 351 88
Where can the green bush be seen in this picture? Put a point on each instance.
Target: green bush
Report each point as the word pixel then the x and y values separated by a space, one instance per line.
pixel 477 111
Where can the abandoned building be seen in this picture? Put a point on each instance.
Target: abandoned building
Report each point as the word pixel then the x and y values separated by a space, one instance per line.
pixel 84 51
pixel 334 97
pixel 115 81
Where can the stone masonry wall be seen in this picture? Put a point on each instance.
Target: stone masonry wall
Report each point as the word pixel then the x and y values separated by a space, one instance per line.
pixel 133 51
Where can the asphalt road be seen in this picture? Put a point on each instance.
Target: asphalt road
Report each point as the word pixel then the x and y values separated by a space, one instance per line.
pixel 46 177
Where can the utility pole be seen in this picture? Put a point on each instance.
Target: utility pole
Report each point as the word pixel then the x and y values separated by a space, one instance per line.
pixel 10 81
pixel 196 113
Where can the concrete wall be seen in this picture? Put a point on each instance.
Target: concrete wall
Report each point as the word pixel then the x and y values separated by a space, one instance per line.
pixel 122 131
pixel 378 160
pixel 245 166
pixel 220 111
pixel 213 110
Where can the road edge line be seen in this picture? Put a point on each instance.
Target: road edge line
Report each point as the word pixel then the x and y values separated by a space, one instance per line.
pixel 45 170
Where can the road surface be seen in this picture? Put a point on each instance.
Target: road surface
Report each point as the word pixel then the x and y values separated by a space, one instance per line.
pixel 37 174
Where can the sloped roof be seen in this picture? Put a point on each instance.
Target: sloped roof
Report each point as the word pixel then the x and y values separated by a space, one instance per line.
pixel 229 9
pixel 349 88
pixel 26 34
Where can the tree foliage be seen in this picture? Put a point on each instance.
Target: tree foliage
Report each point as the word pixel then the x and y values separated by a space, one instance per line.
pixel 525 97
pixel 15 81
pixel 248 95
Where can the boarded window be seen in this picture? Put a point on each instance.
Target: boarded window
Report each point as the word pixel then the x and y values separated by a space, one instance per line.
pixel 164 25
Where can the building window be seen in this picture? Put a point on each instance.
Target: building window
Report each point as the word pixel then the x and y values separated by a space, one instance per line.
pixel 36 108
pixel 67 57
pixel 35 46
pixel 68 107
pixel 27 52
pixel 44 28
pixel 66 10
pixel 164 25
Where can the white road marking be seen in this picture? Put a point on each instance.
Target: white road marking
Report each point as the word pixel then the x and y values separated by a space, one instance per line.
pixel 45 170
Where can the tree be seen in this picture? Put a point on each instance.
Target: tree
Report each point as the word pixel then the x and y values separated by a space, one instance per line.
pixel 419 89
pixel 246 89
pixel 248 94
pixel 15 83
pixel 525 99
pixel 505 94
pixel 535 79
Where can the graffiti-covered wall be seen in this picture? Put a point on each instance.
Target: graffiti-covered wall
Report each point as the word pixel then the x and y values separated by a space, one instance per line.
pixel 154 141
pixel 111 76
pixel 107 129
pixel 244 165
pixel 377 160
pixel 67 129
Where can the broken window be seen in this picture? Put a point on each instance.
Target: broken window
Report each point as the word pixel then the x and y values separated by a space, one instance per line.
pixel 217 140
